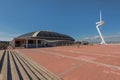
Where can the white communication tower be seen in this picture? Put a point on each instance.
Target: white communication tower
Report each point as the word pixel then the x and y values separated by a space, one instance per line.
pixel 98 24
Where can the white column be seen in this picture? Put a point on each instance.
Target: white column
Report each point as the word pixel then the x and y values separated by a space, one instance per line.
pixel 44 43
pixel 41 42
pixel 36 43
pixel 26 43
pixel 13 43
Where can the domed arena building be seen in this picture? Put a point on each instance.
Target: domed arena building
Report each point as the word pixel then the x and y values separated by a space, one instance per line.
pixel 42 39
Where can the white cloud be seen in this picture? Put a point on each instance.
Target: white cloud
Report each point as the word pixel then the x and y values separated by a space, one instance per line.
pixel 92 38
pixel 113 38
pixel 5 36
pixel 95 37
pixel 86 38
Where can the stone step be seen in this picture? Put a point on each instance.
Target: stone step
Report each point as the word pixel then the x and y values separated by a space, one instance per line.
pixel 16 66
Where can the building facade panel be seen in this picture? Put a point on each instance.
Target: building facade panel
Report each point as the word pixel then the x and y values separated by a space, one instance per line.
pixel 42 39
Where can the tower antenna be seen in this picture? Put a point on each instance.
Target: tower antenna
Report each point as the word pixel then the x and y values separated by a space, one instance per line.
pixel 98 24
pixel 100 16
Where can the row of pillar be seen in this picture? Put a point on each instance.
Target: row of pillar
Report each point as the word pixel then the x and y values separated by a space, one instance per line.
pixel 42 42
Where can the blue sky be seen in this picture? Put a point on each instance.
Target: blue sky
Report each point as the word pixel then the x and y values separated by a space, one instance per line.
pixel 76 18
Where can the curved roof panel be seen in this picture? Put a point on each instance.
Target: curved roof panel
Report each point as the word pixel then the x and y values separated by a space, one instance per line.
pixel 26 35
pixel 47 35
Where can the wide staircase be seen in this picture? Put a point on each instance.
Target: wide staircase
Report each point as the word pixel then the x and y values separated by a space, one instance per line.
pixel 16 66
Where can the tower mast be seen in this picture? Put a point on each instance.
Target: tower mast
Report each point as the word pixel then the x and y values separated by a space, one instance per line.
pixel 98 24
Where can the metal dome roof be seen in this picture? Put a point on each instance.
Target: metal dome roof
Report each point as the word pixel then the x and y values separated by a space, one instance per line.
pixel 46 35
